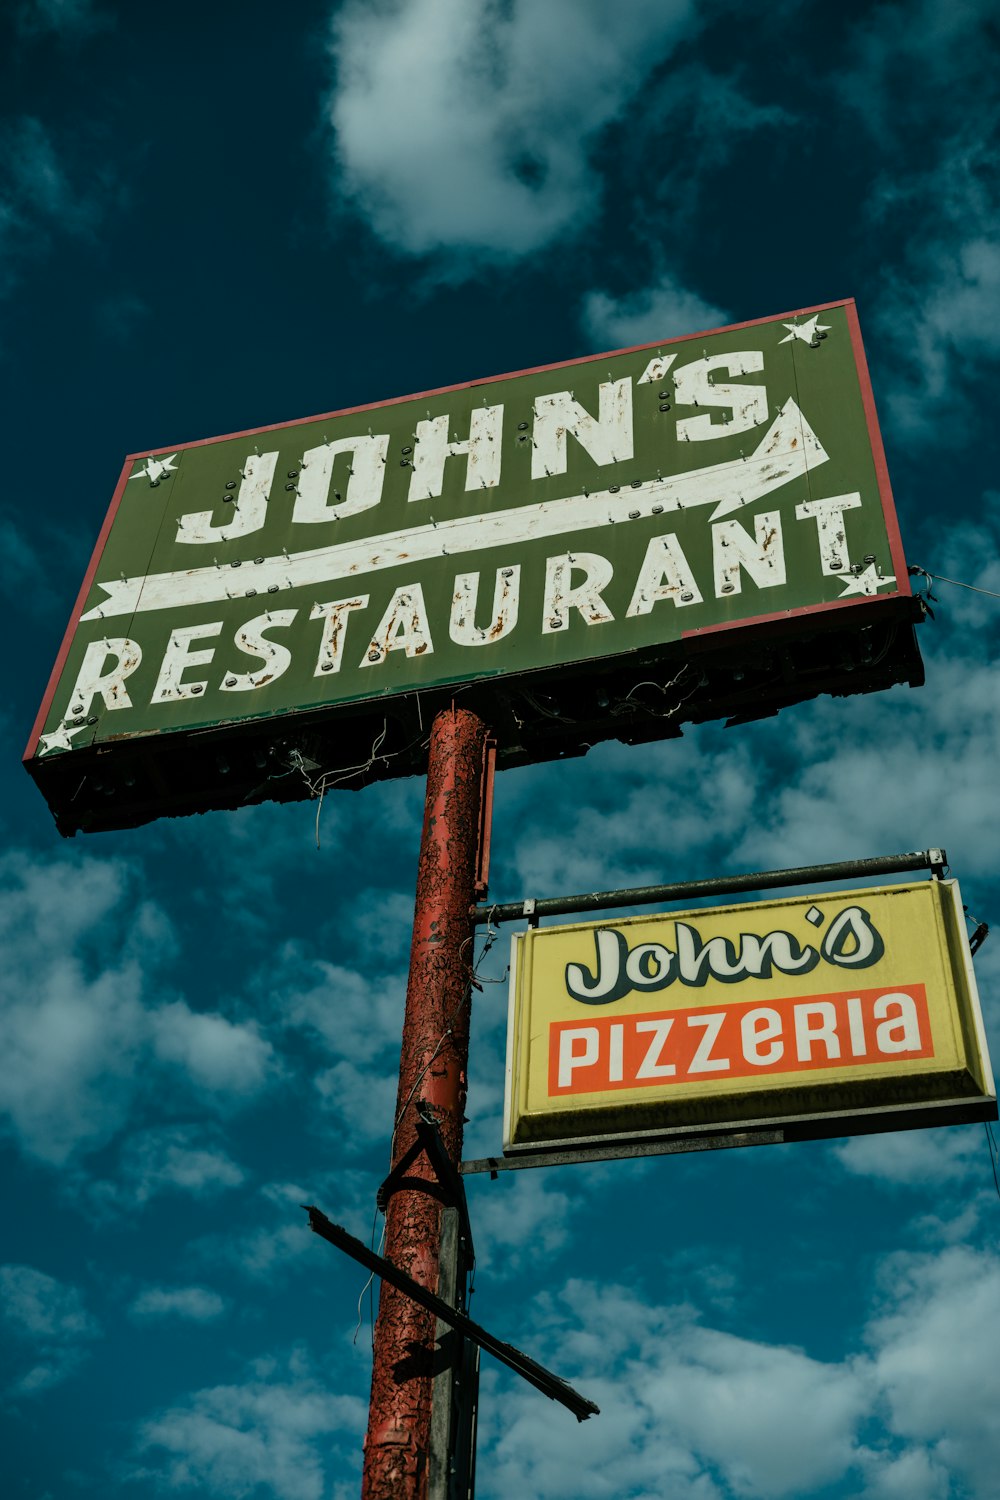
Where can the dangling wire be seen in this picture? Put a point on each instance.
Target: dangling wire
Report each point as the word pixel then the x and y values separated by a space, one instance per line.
pixel 320 785
pixel 957 582
pixel 368 1286
pixel 993 1154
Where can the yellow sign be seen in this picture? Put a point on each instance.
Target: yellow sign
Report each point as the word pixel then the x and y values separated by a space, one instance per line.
pixel 826 1007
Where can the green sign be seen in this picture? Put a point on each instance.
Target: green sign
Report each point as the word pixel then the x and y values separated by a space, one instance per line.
pixel 584 511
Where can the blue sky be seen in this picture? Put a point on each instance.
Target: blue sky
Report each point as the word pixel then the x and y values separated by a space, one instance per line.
pixel 215 217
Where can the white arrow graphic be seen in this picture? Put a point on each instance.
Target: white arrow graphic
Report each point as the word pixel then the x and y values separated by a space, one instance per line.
pixel 788 450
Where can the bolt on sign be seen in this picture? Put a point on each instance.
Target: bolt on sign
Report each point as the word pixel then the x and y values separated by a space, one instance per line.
pixel 839 1014
pixel 603 548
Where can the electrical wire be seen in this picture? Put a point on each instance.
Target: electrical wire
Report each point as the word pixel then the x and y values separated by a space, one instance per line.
pixel 367 1285
pixel 325 781
pixel 957 582
pixel 993 1155
pixel 661 687
pixel 976 589
pixel 319 785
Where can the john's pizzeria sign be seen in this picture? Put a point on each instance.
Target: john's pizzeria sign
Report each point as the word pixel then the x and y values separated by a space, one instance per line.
pixel 844 1004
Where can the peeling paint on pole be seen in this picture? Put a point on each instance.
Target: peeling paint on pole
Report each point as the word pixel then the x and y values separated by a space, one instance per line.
pixel 433 1071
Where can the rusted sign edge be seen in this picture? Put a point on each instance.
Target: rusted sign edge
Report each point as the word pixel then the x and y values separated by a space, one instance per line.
pixel 77 611
pixel 878 450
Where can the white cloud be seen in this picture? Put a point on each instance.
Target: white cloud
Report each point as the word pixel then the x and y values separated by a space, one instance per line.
pixel 189 1159
pixel 968 552
pixel 920 72
pixel 362 1099
pixel 949 317
pixel 36 179
pixel 685 1410
pixel 518 1219
pixel 835 779
pixel 281 1432
pixel 622 809
pixel 914 1474
pixel 934 1357
pixel 47 1329
pixel 384 920
pixel 279 1236
pixel 356 1019
pixel 178 1158
pixel 81 1031
pixel 867 774
pixel 658 312
pixel 72 1029
pixel 915 1158
pixel 217 1055
pixel 353 1015
pixel 703 1414
pixel 259 1253
pixel 467 126
pixel 192 1304
pixel 735 1401
pixel 913 62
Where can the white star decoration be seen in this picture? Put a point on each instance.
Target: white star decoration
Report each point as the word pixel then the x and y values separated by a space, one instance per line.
pixel 868 582
pixel 156 468
pixel 806 331
pixel 59 739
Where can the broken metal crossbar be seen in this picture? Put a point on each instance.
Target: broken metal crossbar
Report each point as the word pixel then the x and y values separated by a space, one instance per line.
pixel 537 1375
pixel 934 860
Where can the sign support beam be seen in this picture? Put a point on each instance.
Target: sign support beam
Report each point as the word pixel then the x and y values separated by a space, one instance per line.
pixel 432 1075
pixel 530 909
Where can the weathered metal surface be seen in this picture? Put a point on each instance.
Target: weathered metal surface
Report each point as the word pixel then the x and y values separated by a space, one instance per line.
pixel 853 1006
pixel 529 1369
pixel 591 548
pixel 717 885
pixel 432 1073
pixel 679 1146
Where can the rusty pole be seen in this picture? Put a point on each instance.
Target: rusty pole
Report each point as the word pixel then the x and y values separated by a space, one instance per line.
pixel 432 1070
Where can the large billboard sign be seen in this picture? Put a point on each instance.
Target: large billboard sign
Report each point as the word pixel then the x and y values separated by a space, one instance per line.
pixel 601 548
pixel 842 1013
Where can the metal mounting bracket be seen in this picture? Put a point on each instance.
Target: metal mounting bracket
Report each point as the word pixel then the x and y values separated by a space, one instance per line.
pixel 429 1143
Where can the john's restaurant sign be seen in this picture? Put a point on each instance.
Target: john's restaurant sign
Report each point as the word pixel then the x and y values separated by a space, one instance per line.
pixel 843 1007
pixel 575 512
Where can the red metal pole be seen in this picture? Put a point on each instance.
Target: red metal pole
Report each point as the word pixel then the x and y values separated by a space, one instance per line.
pixel 432 1070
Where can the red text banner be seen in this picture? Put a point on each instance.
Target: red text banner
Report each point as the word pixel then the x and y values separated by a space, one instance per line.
pixel 778 1036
